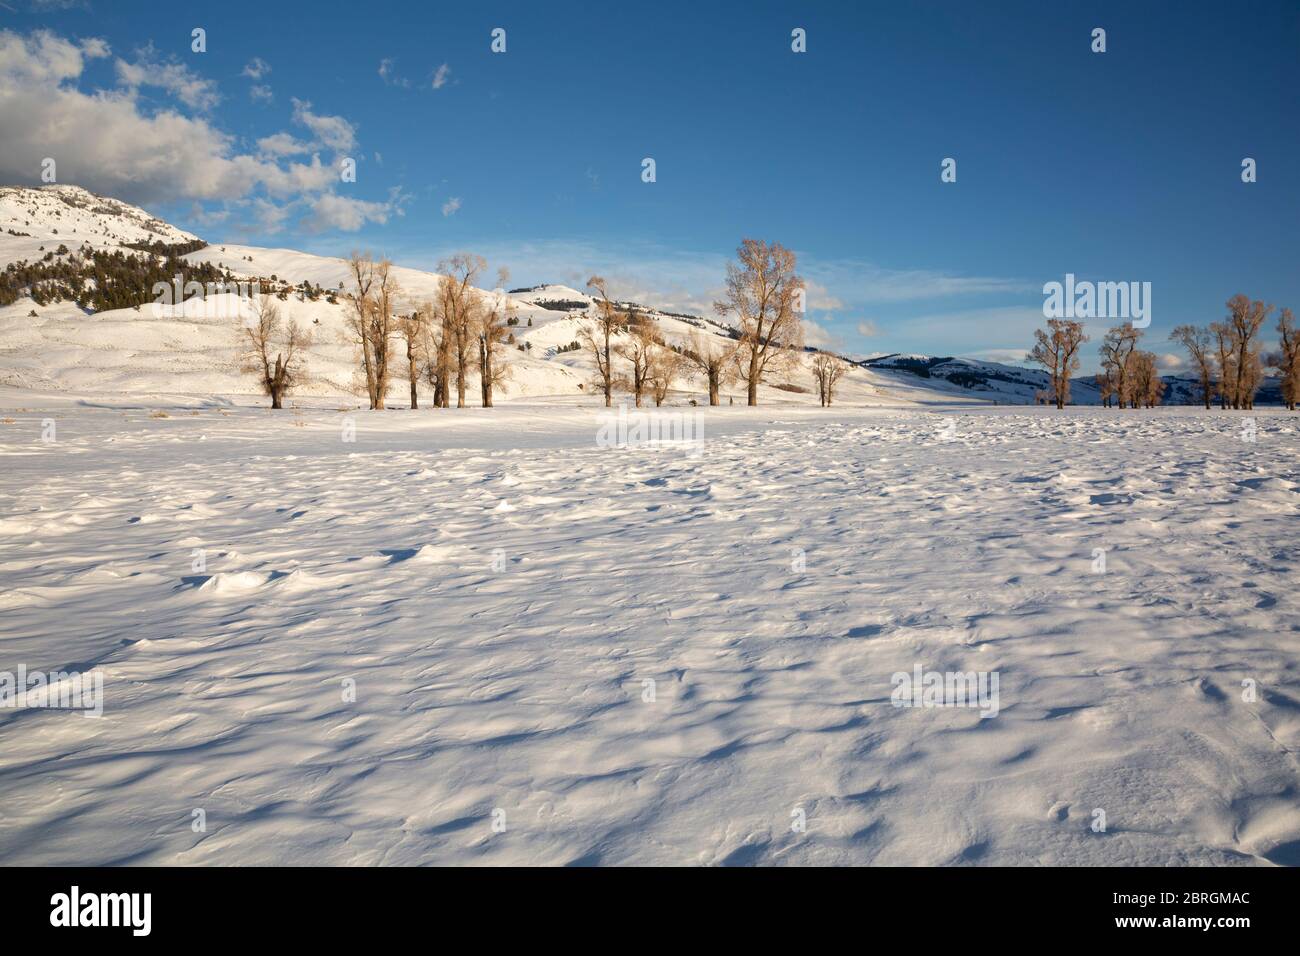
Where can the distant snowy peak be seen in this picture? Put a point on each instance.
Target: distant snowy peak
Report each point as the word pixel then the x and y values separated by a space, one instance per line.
pixel 72 215
pixel 555 298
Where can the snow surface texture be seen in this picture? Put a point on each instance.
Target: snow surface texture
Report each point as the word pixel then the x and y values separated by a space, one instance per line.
pixel 960 542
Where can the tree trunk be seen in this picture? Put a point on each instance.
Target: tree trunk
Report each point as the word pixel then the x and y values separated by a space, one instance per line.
pixel 714 375
pixel 414 376
pixel 609 371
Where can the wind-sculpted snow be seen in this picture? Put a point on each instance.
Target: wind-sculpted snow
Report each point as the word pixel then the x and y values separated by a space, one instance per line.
pixel 502 592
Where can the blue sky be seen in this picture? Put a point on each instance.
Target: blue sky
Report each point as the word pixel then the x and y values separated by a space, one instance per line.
pixel 1116 166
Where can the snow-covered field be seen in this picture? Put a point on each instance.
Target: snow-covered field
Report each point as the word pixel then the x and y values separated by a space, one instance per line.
pixel 502 590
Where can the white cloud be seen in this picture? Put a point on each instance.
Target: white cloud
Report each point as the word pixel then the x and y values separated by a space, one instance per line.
pixel 820 337
pixel 333 132
pixel 330 211
pixel 282 144
pixel 260 92
pixel 174 77
pixel 1170 361
pixel 818 298
pixel 440 77
pixel 43 58
pixel 868 329
pixel 256 68
pixel 450 207
pixel 104 141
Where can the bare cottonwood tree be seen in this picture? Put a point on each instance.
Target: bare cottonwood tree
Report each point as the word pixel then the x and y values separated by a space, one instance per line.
pixel 383 326
pixel 1117 348
pixel 413 330
pixel 1146 388
pixel 494 329
pixel 597 339
pixel 461 314
pixel 639 350
pixel 371 324
pixel 1288 359
pixel 1197 342
pixel 1057 350
pixel 763 294
pixel 265 334
pixel 1223 353
pixel 713 357
pixel 1105 387
pixel 667 364
pixel 361 269
pixel 827 372
pixel 1245 318
pixel 441 336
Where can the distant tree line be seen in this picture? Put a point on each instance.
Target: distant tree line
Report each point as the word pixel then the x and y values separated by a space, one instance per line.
pixel 1227 359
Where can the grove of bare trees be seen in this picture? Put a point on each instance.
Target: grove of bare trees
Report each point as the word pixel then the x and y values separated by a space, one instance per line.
pixel 1228 359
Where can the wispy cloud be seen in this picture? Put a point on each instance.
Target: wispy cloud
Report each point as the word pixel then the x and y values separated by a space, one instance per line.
pixel 441 76
pixel 451 206
pixel 388 73
pixel 863 282
pixel 256 68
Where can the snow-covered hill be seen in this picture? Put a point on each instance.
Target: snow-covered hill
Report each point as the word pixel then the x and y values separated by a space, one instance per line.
pixel 31 218
pixel 192 350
